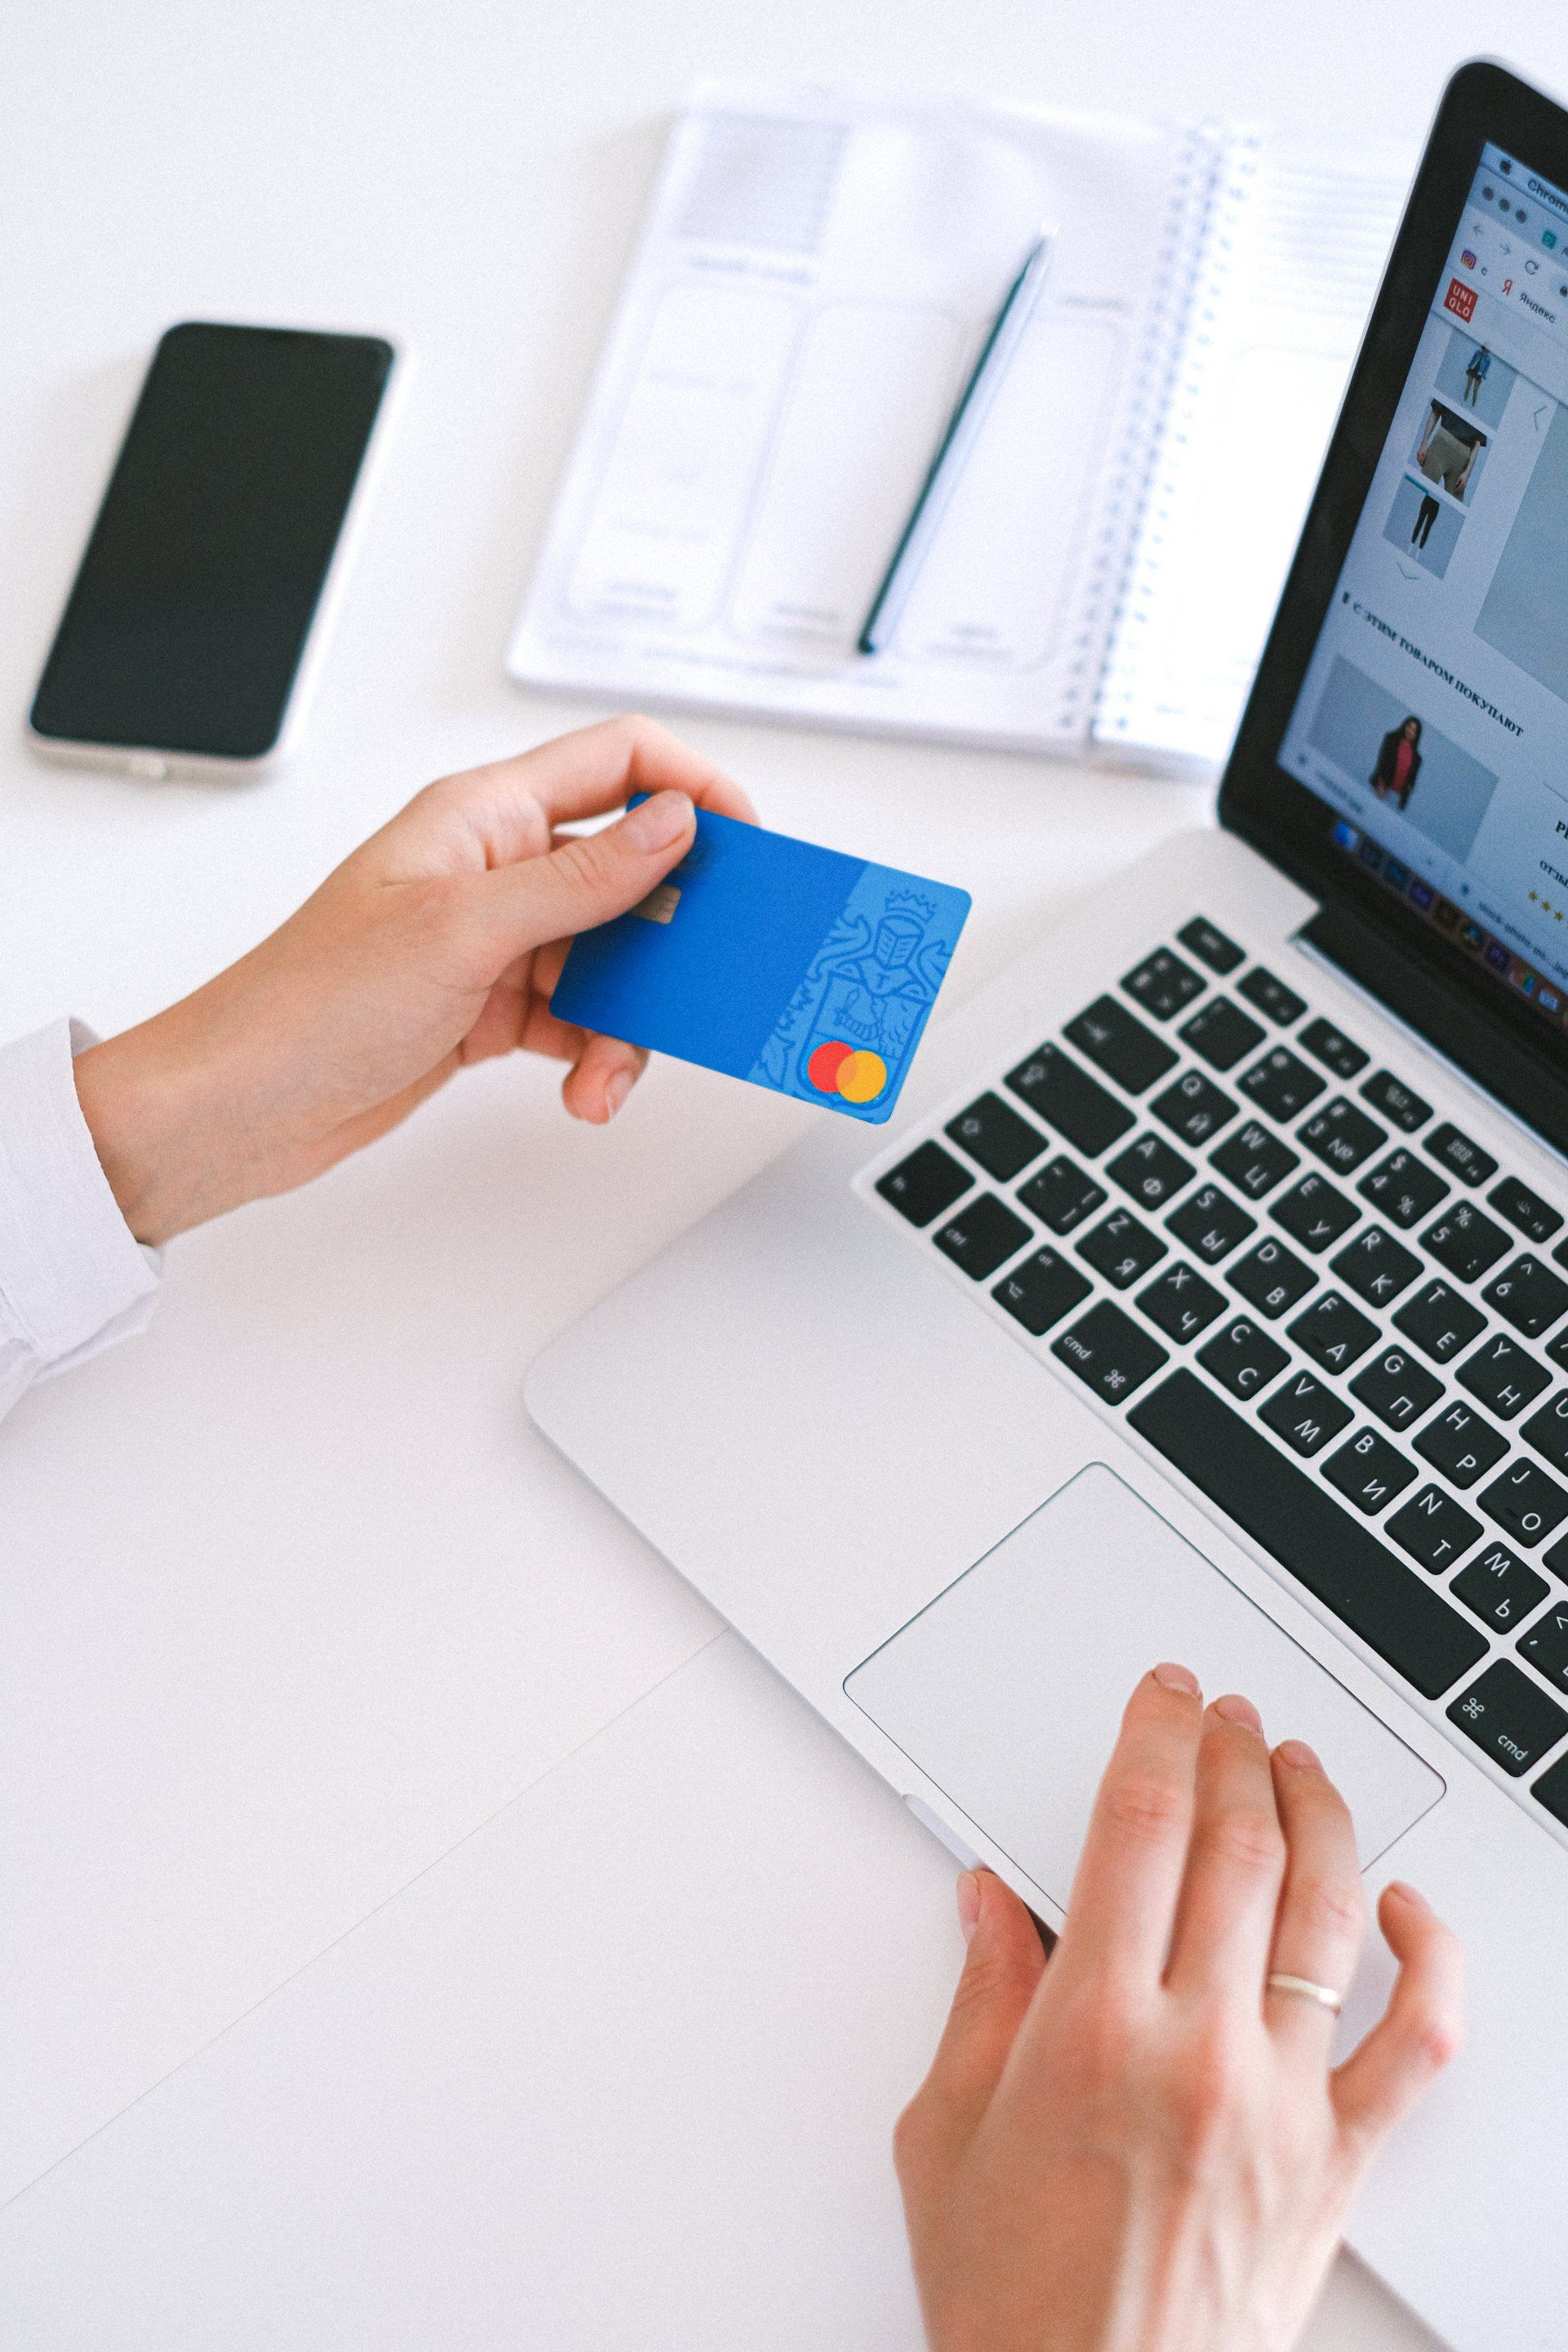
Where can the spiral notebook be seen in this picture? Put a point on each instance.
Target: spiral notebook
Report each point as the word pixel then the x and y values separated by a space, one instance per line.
pixel 815 279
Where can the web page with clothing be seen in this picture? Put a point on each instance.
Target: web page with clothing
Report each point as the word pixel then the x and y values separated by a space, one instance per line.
pixel 1433 718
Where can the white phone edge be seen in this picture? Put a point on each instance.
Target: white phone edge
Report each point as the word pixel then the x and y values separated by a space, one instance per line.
pixel 152 763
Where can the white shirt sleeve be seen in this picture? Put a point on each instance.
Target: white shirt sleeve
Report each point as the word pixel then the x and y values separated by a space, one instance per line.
pixel 73 1278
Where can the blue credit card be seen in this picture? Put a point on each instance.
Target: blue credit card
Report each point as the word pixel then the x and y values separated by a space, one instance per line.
pixel 774 961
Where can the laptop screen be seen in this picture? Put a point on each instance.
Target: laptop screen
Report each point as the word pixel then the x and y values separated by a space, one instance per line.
pixel 1432 720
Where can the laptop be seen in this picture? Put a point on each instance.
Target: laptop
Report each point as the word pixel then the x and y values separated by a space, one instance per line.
pixel 1208 1296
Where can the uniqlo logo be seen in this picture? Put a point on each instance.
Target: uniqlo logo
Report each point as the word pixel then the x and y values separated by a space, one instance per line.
pixel 1460 298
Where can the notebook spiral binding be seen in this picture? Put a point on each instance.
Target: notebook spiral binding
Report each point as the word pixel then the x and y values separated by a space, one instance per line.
pixel 1224 171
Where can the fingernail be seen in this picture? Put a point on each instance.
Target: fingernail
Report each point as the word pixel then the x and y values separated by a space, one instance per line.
pixel 1235 1710
pixel 656 822
pixel 968 1903
pixel 1180 1678
pixel 616 1090
pixel 1297 1753
pixel 1407 1894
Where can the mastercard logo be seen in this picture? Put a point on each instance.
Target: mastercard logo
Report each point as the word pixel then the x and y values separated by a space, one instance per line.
pixel 837 1068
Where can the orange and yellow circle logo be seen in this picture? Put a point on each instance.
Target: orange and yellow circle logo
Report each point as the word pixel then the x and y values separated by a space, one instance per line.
pixel 837 1068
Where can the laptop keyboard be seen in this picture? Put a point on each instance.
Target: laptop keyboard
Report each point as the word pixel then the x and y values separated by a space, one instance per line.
pixel 1330 1310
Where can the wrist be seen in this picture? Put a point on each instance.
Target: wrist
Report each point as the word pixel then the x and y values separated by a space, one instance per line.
pixel 158 1134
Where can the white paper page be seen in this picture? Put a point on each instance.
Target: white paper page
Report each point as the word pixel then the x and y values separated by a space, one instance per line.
pixel 1296 248
pixel 815 281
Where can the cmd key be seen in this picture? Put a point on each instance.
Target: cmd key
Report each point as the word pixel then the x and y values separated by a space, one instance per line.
pixel 1509 1717
pixel 1109 1353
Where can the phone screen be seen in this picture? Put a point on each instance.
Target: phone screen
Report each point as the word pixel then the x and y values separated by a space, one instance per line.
pixel 189 615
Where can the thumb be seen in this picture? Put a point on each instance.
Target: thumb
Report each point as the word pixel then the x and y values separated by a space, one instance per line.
pixel 589 879
pixel 1002 1968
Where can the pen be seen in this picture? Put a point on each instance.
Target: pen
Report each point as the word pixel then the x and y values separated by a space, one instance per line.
pixel 963 431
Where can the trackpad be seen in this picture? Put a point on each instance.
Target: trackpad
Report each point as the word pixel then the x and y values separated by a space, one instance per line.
pixel 1007 1690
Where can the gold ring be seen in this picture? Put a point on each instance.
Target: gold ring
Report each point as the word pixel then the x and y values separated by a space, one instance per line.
pixel 1322 1994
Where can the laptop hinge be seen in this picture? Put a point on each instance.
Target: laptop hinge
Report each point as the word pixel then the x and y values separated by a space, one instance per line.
pixel 1446 1018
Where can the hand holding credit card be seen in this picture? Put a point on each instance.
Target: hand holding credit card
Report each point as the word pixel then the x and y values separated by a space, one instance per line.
pixel 774 961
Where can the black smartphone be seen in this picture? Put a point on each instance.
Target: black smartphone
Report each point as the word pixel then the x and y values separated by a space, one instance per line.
pixel 184 640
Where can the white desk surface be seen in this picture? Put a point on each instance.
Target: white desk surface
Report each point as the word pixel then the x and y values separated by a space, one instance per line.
pixel 301 1625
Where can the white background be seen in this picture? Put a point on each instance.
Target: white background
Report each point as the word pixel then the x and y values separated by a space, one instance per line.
pixel 299 1620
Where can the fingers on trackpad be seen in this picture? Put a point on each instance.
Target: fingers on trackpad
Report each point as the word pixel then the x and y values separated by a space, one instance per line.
pixel 1007 1690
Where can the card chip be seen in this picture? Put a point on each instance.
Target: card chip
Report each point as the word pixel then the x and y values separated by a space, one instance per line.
pixel 660 904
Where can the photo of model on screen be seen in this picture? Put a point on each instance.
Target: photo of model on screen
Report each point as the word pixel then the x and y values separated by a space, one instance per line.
pixel 1449 449
pixel 1398 763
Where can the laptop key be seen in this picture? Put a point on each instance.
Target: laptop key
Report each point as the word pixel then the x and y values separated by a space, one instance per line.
pixel 1402 1188
pixel 982 1235
pixel 993 1135
pixel 1459 1155
pixel 1163 983
pixel 1281 1507
pixel 1547 1431
pixel 1461 1444
pixel 1210 945
pixel 1109 1353
pixel 1500 1588
pixel 1314 1213
pixel 1150 1171
pixel 1396 1388
pixel 1525 1501
pixel 1334 1049
pixel 1503 1375
pixel 1193 1107
pixel 1305 1414
pixel 1376 1265
pixel 1395 1100
pixel 1370 1471
pixel 1535 1218
pixel 1509 1718
pixel 1271 1277
pixel 1529 1295
pixel 1222 1033
pixel 1042 1290
pixel 1440 1321
pixel 1243 1357
pixel 924 1184
pixel 1121 1045
pixel 1546 1644
pixel 1333 1332
pixel 1181 1302
pixel 1121 1249
pixel 1433 1529
pixel 1342 1136
pixel 1466 1241
pixel 1281 1084
pixel 1069 1100
pixel 1061 1195
pixel 1272 997
pixel 1254 1160
pixel 1210 1222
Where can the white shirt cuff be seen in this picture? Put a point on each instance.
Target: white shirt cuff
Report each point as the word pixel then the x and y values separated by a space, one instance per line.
pixel 72 1275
